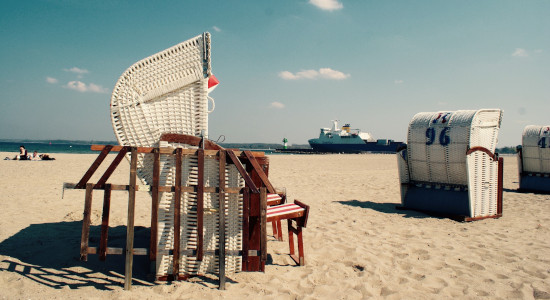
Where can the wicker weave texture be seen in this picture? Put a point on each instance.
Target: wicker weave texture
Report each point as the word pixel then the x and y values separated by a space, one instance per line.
pixel 536 149
pixel 166 92
pixel 437 143
pixel 188 231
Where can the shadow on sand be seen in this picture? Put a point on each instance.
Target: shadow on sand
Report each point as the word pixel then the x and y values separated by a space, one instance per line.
pixel 50 254
pixel 389 208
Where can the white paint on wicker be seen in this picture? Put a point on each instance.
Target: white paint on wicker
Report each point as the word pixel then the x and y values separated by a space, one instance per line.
pixel 164 93
pixel 437 143
pixel 536 149
pixel 188 221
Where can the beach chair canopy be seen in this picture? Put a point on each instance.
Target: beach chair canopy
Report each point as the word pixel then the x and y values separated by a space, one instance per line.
pixel 451 151
pixel 164 93
pixel 534 159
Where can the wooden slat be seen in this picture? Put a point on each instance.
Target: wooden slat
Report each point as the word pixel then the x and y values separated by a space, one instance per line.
pixel 243 172
pixel 500 185
pixel 200 204
pixel 84 239
pixel 105 223
pixel 118 251
pixel 177 212
pixel 246 229
pixel 263 224
pixel 190 140
pixel 154 206
pixel 221 204
pixel 111 168
pixel 260 171
pixel 130 227
pixel 82 183
pixel 118 148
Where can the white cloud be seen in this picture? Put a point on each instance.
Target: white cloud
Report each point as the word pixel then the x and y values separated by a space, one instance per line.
pixel 538 51
pixel 325 73
pixel 216 28
pixel 399 81
pixel 519 52
pixel 77 70
pixel 51 80
pixel 329 5
pixel 277 105
pixel 83 88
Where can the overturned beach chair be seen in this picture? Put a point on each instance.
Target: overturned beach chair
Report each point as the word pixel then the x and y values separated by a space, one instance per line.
pixel 534 159
pixel 449 165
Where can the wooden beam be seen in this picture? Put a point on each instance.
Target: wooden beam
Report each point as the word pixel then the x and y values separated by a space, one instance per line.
pixel 82 183
pixel 111 168
pixel 260 171
pixel 177 217
pixel 263 225
pixel 221 217
pixel 246 227
pixel 84 239
pixel 105 223
pixel 154 206
pixel 190 140
pixel 243 172
pixel 130 227
pixel 200 205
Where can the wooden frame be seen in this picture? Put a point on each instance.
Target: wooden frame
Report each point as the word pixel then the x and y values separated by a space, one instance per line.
pixel 254 250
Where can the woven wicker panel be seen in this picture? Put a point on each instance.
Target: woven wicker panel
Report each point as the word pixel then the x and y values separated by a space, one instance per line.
pixel 437 144
pixel 164 93
pixel 482 169
pixel 188 233
pixel 536 149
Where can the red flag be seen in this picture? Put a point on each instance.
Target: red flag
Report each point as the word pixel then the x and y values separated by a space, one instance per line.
pixel 212 83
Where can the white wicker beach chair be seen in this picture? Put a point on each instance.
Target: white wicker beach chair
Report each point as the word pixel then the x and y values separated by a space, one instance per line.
pixel 534 159
pixel 449 165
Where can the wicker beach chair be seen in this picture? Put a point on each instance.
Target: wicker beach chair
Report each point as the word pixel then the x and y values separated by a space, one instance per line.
pixel 534 159
pixel 449 165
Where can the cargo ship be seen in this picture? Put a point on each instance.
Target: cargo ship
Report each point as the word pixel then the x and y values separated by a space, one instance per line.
pixel 347 140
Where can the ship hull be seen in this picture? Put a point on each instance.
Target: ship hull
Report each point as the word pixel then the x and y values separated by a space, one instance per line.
pixel 390 147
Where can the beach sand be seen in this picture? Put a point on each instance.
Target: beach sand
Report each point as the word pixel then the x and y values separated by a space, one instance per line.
pixel 357 245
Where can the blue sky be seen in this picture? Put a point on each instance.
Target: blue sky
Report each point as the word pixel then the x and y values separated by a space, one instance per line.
pixel 286 67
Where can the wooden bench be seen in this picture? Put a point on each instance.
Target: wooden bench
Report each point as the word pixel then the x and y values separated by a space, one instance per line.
pixel 297 212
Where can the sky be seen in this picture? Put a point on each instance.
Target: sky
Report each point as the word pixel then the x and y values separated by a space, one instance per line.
pixel 286 68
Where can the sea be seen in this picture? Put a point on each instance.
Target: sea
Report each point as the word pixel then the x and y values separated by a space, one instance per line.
pixel 43 147
pixel 77 147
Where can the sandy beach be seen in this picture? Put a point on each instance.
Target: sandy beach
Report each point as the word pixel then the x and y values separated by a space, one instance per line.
pixel 357 245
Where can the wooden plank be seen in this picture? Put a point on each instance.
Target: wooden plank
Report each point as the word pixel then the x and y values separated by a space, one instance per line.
pixel 105 223
pixel 500 185
pixel 200 204
pixel 243 172
pixel 154 206
pixel 263 225
pixel 221 211
pixel 260 171
pixel 118 148
pixel 111 168
pixel 190 140
pixel 246 229
pixel 177 216
pixel 84 239
pixel 130 227
pixel 82 183
pixel 118 251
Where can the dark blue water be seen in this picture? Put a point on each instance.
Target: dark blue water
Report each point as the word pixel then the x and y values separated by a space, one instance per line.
pixel 66 147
